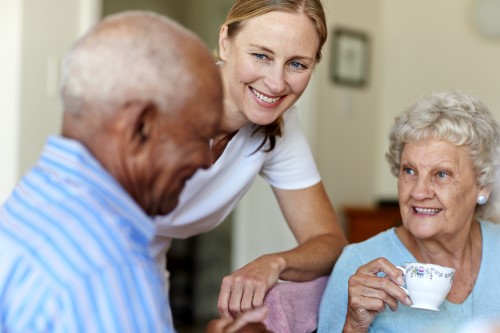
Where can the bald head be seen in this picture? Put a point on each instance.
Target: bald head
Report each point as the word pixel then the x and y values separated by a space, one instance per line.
pixel 144 96
pixel 132 56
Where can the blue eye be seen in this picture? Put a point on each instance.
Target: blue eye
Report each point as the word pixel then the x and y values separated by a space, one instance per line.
pixel 442 174
pixel 408 171
pixel 297 65
pixel 260 56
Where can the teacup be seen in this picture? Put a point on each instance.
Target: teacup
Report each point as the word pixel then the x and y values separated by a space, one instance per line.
pixel 427 285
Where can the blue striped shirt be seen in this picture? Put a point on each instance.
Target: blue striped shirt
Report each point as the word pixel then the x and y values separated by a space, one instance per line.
pixel 74 251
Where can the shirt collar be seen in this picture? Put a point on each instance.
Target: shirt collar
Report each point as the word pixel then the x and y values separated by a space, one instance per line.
pixel 70 159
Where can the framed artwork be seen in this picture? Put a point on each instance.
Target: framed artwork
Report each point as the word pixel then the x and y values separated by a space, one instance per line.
pixel 350 57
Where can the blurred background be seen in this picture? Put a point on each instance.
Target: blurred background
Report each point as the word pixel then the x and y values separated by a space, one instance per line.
pixel 401 49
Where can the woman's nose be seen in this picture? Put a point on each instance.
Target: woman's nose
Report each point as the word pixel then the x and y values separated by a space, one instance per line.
pixel 422 188
pixel 275 79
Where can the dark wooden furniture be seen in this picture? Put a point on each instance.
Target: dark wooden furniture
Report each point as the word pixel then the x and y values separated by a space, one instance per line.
pixel 363 222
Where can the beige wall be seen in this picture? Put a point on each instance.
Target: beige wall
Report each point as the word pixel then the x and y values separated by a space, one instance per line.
pixel 10 67
pixel 43 44
pixel 347 117
pixel 35 35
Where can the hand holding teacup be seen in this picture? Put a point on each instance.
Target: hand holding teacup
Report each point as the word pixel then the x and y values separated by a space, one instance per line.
pixel 369 293
pixel 427 285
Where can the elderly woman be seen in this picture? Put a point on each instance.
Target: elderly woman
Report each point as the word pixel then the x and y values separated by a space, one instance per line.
pixel 443 150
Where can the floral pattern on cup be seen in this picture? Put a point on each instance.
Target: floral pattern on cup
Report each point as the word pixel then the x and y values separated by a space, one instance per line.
pixel 422 272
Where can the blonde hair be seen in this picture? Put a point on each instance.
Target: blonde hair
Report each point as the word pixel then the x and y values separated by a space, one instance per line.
pixel 244 10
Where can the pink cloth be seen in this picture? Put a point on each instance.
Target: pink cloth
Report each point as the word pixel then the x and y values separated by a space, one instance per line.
pixel 293 306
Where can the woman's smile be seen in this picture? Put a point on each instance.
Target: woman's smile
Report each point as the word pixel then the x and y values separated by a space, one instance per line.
pixel 426 211
pixel 266 100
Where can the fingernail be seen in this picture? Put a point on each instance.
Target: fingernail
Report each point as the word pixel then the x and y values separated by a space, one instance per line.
pixel 408 301
pixel 401 281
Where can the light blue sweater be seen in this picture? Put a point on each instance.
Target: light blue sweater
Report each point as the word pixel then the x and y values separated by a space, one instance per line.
pixel 484 301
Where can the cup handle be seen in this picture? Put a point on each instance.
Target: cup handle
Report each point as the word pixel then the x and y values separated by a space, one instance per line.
pixel 402 269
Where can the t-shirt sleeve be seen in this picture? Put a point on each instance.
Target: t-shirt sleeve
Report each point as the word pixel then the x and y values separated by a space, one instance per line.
pixel 290 165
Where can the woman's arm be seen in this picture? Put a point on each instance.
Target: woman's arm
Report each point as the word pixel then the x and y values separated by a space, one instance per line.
pixel 313 222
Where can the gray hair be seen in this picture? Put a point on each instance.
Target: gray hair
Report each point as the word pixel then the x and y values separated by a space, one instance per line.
pixel 128 56
pixel 456 117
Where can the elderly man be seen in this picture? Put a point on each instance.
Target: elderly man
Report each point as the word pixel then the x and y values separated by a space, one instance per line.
pixel 141 97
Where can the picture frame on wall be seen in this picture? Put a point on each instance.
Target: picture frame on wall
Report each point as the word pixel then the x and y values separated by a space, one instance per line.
pixel 350 57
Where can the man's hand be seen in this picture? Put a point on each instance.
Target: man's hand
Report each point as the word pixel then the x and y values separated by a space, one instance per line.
pixel 251 321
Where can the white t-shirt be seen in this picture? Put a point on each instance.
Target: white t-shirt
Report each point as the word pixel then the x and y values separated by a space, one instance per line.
pixel 210 195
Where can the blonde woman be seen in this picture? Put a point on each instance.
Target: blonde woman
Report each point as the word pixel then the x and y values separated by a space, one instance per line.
pixel 267 53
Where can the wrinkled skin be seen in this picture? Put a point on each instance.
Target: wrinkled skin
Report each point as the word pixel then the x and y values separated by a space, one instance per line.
pixel 369 294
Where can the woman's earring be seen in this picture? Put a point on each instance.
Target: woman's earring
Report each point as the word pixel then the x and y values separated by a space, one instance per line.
pixel 481 200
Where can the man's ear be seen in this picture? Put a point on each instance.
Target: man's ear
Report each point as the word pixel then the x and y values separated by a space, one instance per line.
pixel 140 118
pixel 223 43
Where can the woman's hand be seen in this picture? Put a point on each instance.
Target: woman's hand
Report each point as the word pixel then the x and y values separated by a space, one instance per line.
pixel 313 222
pixel 249 322
pixel 246 288
pixel 369 294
